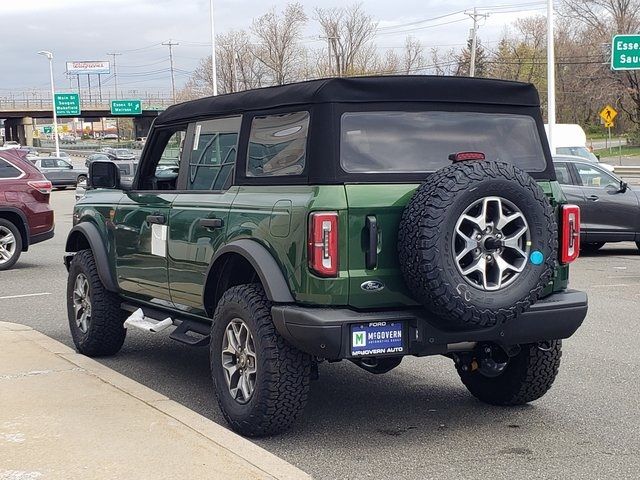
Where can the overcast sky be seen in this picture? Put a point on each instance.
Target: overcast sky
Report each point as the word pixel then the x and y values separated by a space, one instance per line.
pixel 88 30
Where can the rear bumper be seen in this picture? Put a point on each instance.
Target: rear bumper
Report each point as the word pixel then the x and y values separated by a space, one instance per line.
pixel 324 332
pixel 41 237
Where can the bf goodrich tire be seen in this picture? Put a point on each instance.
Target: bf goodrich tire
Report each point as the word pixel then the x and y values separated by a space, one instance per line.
pixel 261 382
pixel 10 244
pixel 95 317
pixel 478 243
pixel 527 376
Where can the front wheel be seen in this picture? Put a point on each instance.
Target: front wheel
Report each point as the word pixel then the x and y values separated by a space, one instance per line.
pixel 525 378
pixel 95 317
pixel 261 382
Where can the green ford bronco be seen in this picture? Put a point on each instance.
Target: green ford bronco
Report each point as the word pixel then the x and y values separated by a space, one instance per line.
pixel 349 218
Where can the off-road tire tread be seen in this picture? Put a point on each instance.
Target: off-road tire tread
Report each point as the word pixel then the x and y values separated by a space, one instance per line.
pixel 16 233
pixel 420 227
pixel 106 330
pixel 526 378
pixel 285 383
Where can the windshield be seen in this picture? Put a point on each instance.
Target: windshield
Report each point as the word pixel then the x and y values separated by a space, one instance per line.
pixel 376 142
pixel 123 151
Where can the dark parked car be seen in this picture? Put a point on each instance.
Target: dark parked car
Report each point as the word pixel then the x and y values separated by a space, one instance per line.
pixel 609 208
pixel 60 172
pixel 98 156
pixel 25 215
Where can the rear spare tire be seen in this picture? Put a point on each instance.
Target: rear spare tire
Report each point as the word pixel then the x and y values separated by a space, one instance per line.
pixel 478 243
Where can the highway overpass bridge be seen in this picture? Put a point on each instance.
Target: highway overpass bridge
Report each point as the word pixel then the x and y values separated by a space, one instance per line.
pixel 19 115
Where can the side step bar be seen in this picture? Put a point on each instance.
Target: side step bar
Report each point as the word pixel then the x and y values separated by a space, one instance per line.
pixel 153 320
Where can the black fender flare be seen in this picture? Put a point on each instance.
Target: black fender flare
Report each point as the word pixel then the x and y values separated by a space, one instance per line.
pixel 24 228
pixel 273 281
pixel 90 232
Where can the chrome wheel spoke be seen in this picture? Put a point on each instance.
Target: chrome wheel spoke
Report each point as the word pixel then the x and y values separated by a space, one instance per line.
pixel 82 302
pixel 239 360
pixel 491 243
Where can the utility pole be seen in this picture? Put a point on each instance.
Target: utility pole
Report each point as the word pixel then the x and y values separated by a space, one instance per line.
pixel 474 38
pixel 329 39
pixel 171 44
pixel 214 75
pixel 115 81
pixel 551 77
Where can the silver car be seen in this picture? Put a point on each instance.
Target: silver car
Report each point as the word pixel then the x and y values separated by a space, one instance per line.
pixel 60 172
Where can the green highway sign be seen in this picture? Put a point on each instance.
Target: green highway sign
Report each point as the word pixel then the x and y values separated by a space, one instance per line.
pixel 126 107
pixel 47 130
pixel 67 104
pixel 625 52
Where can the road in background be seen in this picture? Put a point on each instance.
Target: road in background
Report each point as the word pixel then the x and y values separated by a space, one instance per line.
pixel 417 421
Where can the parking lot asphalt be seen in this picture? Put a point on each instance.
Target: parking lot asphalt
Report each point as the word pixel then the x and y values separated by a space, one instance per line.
pixel 417 421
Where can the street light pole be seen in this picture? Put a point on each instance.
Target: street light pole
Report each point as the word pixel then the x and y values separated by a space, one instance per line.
pixel 214 76
pixel 551 77
pixel 49 55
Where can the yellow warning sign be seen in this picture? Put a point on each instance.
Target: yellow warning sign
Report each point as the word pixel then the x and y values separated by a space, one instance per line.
pixel 608 114
pixel 608 125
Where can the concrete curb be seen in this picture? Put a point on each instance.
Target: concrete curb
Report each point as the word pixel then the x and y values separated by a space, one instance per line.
pixel 263 460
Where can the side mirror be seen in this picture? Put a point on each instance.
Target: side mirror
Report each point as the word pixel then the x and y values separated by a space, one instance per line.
pixel 623 187
pixel 104 174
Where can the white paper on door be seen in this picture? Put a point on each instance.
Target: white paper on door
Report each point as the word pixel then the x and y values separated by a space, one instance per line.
pixel 159 240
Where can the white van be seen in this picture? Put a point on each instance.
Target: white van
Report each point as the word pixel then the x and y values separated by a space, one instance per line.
pixel 570 139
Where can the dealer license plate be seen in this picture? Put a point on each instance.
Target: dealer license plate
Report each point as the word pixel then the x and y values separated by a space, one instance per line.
pixel 378 338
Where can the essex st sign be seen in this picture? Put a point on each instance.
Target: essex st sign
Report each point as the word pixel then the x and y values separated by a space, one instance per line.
pixel 625 52
pixel 126 107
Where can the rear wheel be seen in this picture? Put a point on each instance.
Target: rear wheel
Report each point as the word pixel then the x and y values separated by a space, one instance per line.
pixel 81 179
pixel 261 382
pixel 95 317
pixel 10 244
pixel 518 380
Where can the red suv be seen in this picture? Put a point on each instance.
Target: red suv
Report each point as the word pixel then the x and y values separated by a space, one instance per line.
pixel 25 215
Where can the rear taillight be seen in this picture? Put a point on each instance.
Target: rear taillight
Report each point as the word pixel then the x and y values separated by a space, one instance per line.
pixel 570 233
pixel 323 244
pixel 43 186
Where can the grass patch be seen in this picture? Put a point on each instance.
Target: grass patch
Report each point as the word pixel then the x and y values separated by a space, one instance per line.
pixel 627 151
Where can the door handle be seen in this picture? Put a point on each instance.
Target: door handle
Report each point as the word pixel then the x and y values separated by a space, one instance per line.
pixel 593 198
pixel 371 255
pixel 211 223
pixel 158 219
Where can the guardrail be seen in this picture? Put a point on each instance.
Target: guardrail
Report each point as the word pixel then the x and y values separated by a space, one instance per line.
pixel 632 171
pixel 14 104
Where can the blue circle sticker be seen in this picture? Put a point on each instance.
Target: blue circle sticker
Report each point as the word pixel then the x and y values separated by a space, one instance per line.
pixel 536 257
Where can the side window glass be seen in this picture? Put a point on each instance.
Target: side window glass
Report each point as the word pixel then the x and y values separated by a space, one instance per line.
pixel 62 164
pixel 47 163
pixel 277 145
pixel 562 174
pixel 213 155
pixel 8 171
pixel 594 177
pixel 162 167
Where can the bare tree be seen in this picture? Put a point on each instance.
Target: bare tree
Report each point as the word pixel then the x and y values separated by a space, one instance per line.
pixel 349 32
pixel 278 36
pixel 413 59
pixel 602 19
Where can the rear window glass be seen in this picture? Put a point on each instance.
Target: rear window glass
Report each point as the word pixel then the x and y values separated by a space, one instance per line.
pixel 8 171
pixel 277 145
pixel 404 142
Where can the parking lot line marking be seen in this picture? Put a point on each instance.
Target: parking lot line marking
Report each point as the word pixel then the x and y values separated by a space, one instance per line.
pixel 8 297
pixel 617 285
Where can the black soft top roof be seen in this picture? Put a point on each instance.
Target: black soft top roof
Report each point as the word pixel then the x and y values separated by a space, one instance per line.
pixel 405 88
